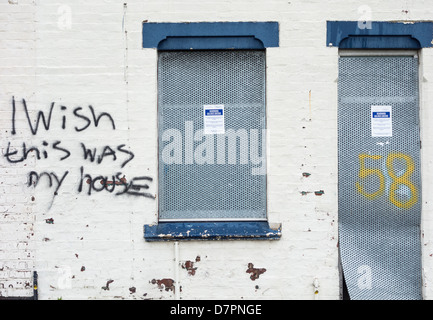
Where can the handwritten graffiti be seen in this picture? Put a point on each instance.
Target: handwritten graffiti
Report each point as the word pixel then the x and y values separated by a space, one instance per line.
pixel 34 178
pixel 21 154
pixel 46 119
pixel 106 151
pixel 100 183
pixel 398 180
pixel 82 118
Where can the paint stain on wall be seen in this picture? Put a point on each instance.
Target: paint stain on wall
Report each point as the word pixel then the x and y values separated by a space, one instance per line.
pixel 255 272
pixel 49 221
pixel 167 284
pixel 107 286
pixel 189 266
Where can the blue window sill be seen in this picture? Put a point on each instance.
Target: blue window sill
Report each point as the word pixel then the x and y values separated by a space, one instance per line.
pixel 184 231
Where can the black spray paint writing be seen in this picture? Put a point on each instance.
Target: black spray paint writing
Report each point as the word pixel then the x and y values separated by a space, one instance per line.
pixel 107 151
pixel 21 154
pixel 57 150
pixel 34 178
pixel 136 187
pixel 45 119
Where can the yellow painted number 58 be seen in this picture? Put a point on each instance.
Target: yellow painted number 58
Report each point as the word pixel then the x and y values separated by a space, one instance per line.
pixel 397 180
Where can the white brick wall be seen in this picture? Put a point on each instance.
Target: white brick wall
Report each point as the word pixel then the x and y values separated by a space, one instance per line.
pixel 76 54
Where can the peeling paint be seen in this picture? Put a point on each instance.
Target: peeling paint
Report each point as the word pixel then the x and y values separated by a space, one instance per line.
pixel 255 272
pixel 319 193
pixel 167 284
pixel 211 231
pixel 168 235
pixel 189 266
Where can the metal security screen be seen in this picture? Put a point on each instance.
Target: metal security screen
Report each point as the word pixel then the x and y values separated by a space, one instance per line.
pixel 212 176
pixel 379 177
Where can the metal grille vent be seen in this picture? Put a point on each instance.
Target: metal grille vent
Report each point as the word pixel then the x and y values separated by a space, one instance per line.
pixel 379 179
pixel 222 187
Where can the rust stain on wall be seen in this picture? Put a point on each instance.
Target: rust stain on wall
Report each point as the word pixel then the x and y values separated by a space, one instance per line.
pixel 110 183
pixel 255 272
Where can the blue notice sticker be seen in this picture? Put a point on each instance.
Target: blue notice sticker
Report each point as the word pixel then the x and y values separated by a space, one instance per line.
pixel 214 112
pixel 385 114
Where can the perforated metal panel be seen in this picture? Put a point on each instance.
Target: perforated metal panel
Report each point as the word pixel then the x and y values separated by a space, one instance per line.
pixel 379 179
pixel 204 183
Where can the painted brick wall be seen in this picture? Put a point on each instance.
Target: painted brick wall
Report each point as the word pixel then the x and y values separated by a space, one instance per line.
pixel 83 62
pixel 18 70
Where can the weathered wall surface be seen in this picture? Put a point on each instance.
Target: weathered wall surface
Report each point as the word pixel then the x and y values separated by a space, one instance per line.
pixel 78 112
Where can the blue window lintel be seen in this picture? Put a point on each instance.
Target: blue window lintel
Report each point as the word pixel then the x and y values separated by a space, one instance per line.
pixel 181 231
pixel 210 35
pixel 380 34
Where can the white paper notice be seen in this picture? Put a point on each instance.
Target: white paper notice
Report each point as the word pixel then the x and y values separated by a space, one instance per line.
pixel 213 119
pixel 381 121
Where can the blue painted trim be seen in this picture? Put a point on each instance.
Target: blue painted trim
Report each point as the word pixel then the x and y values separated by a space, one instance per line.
pixel 214 43
pixel 380 42
pixel 180 231
pixel 210 35
pixel 381 35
